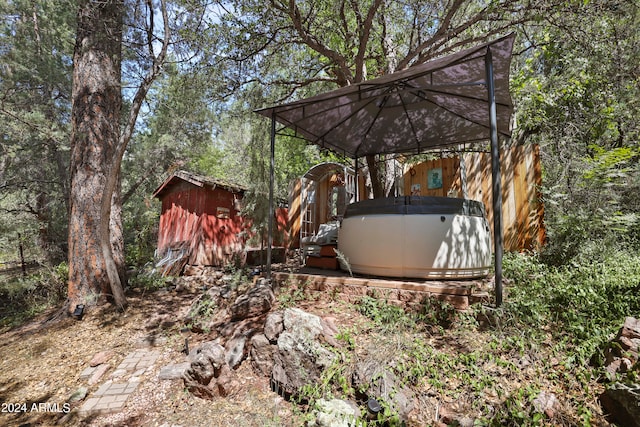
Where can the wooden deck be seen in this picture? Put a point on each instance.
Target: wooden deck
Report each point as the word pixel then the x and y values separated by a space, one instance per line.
pixel 411 293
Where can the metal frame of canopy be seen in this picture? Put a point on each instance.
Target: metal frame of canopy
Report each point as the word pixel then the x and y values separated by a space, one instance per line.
pixel 460 98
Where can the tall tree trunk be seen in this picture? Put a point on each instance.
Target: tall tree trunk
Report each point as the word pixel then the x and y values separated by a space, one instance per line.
pixel 377 177
pixel 117 233
pixel 96 110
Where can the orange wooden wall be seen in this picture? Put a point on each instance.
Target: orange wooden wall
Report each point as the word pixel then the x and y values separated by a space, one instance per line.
pixel 522 208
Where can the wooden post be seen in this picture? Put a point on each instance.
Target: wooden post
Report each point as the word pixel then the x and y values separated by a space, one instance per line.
pixel 22 263
pixel 271 189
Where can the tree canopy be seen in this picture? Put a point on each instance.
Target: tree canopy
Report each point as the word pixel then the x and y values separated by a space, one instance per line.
pixel 574 84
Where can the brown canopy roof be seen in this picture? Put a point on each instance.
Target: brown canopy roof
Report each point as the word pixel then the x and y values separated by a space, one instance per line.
pixel 435 104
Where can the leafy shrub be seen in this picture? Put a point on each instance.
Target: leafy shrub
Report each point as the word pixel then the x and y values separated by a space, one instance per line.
pixel 585 301
pixel 147 279
pixel 383 313
pixel 25 297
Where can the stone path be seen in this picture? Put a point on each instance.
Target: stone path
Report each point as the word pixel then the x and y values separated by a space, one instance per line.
pixel 113 394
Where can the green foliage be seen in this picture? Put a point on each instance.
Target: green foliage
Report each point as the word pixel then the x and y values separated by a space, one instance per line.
pixel 25 297
pixel 201 313
pixel 290 295
pixel 435 312
pixel 147 279
pixel 577 98
pixel 142 236
pixel 384 314
pixel 36 40
pixel 582 303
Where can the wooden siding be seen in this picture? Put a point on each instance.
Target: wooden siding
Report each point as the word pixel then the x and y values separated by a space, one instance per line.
pixel 295 211
pixel 522 208
pixel 190 220
pixel 321 212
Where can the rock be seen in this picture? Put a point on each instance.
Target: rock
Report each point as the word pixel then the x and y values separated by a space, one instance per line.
pixel 623 352
pixel 329 331
pixel 448 417
pixel 78 395
pixel 101 357
pixel 273 326
pixel 227 382
pixel 375 380
pixel 261 352
pixel 466 422
pixel 329 326
pixel 336 413
pixel 299 358
pixel 631 328
pixel 622 402
pixel 206 359
pixel 302 322
pixel 174 371
pixel 98 373
pixel 254 303
pixel 235 351
pixel 87 372
pixel 452 419
pixel 545 403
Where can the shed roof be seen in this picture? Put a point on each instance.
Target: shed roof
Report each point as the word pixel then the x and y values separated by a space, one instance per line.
pixel 198 181
pixel 438 103
pixel 321 170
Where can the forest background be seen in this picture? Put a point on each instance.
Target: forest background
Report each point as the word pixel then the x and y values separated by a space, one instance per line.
pixel 574 82
pixel 184 78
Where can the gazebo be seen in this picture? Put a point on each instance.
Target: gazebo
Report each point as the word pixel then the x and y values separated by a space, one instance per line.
pixel 457 99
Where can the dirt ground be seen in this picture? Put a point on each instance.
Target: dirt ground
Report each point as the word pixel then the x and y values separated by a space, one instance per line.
pixel 41 362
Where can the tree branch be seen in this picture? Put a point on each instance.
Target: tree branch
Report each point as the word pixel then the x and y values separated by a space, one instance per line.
pixel 365 33
pixel 343 73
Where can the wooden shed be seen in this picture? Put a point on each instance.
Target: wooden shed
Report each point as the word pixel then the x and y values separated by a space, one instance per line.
pixel 200 221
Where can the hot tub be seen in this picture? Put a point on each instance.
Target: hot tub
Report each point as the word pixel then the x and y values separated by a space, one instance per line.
pixel 417 237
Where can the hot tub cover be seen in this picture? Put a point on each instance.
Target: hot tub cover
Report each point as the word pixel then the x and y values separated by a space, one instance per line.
pixel 416 205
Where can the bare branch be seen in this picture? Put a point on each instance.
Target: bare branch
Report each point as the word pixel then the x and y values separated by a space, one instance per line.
pixel 145 85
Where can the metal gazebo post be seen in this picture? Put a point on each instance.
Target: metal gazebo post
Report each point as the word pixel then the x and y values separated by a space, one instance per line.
pixel 496 178
pixel 272 166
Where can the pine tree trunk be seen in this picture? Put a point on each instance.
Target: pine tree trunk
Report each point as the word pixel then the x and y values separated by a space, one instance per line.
pixel 96 110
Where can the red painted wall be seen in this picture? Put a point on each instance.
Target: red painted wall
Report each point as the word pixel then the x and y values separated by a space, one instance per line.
pixel 191 219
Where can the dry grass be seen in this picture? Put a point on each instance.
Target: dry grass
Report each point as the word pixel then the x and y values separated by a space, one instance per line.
pixel 461 370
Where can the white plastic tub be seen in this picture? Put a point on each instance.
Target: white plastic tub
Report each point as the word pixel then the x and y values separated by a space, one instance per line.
pixel 417 237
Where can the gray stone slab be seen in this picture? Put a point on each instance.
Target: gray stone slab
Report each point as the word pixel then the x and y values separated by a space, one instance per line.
pixel 174 371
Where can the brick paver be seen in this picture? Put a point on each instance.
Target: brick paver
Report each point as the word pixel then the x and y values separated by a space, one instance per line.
pixel 112 396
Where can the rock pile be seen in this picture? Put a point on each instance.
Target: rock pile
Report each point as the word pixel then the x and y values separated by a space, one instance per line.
pixel 290 347
pixel 622 353
pixel 620 400
pixel 209 375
